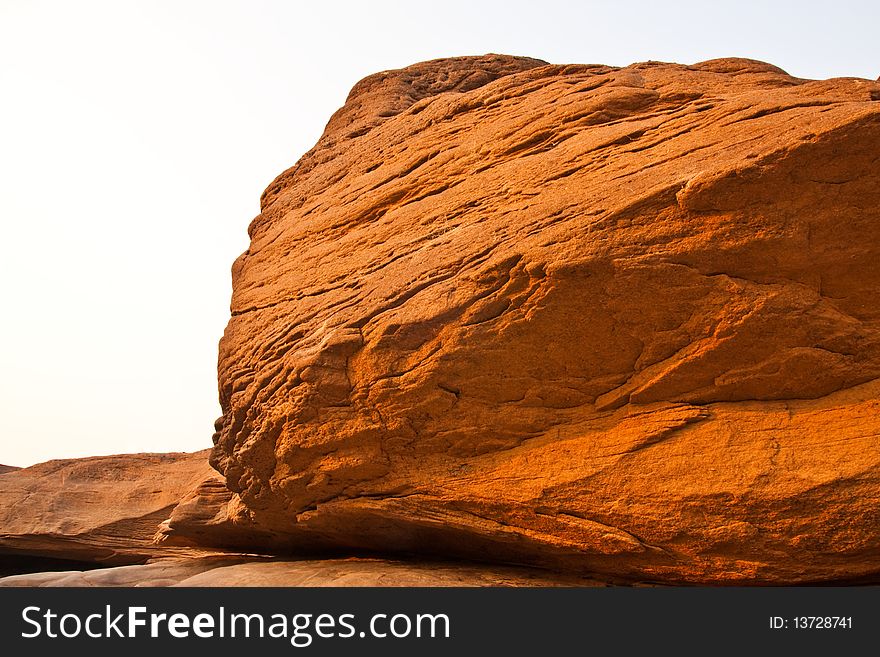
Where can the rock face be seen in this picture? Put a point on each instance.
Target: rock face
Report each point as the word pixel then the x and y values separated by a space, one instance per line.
pixel 612 320
pixel 102 509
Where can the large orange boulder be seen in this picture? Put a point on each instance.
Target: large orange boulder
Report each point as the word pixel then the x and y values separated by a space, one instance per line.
pixel 614 320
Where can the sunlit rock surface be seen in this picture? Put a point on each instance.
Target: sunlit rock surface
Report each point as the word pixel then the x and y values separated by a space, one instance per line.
pixel 610 320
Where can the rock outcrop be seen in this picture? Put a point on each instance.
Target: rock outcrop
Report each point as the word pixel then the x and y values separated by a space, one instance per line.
pixel 613 320
pixel 103 509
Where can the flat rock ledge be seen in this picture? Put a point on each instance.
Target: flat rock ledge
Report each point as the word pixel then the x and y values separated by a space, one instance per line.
pixel 243 571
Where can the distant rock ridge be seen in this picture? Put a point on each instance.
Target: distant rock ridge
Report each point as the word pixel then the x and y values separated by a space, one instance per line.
pixel 103 509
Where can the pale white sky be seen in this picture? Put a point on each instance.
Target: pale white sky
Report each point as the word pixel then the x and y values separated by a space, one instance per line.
pixel 136 138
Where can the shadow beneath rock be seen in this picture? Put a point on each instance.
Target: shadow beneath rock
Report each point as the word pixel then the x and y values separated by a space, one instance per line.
pixel 12 564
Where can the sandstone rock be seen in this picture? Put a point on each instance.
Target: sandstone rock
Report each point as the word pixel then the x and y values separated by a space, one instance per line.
pixel 613 320
pixel 223 571
pixel 105 509
pixel 165 572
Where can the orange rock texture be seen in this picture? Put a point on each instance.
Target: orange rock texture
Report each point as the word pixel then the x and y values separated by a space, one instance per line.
pixel 613 320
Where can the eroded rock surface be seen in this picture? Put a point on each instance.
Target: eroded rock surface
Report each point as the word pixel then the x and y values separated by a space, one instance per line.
pixel 614 320
pixel 101 509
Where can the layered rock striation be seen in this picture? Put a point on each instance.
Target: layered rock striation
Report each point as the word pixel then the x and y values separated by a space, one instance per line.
pixel 612 320
pixel 93 522
pixel 98 510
